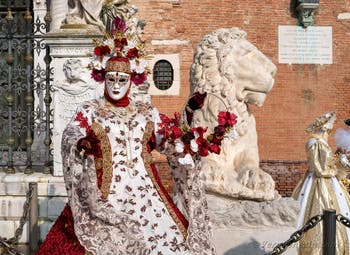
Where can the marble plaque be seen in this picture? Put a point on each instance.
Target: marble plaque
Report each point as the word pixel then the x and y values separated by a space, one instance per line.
pixel 297 45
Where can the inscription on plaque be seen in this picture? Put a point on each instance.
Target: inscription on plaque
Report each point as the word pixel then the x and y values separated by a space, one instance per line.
pixel 297 45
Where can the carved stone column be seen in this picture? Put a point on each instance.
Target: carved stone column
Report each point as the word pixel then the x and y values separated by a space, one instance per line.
pixel 72 83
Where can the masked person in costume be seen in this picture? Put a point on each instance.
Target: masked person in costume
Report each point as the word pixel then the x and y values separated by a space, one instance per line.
pixel 116 202
pixel 321 188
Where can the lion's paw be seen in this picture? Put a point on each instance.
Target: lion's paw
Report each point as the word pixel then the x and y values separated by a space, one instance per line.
pixel 256 179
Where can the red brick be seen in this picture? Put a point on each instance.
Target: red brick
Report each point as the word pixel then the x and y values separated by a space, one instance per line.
pixel 286 113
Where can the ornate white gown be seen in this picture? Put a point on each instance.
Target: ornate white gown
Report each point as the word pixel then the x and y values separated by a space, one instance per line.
pixel 129 211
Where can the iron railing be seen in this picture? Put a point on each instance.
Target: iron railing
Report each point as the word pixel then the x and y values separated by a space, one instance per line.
pixel 25 76
pixel 329 219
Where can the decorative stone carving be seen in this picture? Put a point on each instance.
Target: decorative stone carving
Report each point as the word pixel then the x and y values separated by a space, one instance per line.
pixel 69 93
pixel 123 9
pixel 75 82
pixel 235 74
pixel 306 11
pixel 248 214
pixel 58 14
pixel 82 13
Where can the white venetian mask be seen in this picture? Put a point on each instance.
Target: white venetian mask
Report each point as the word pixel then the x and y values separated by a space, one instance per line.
pixel 117 84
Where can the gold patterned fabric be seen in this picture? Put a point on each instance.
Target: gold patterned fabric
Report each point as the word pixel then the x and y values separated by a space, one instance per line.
pixel 326 192
pixel 104 163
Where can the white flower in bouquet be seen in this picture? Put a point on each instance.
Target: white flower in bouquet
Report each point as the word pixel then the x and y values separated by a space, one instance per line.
pixel 179 146
pixel 194 145
pixel 186 160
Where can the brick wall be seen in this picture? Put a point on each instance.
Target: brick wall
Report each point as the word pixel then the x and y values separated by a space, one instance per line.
pixel 301 92
pixel 286 174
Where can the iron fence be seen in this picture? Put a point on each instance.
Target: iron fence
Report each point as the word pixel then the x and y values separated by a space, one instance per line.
pixel 329 218
pixel 25 100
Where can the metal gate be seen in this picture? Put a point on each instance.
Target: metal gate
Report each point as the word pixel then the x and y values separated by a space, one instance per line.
pixel 25 99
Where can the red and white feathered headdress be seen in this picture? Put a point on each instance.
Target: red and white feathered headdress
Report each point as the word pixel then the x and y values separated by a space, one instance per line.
pixel 121 50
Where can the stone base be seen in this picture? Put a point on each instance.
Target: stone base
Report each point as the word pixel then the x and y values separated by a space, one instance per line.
pixel 52 197
pixel 244 227
pixel 226 212
pixel 253 241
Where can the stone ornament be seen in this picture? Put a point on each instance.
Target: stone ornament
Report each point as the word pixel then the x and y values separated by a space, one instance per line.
pixel 70 91
pixel 82 13
pixel 76 78
pixel 235 74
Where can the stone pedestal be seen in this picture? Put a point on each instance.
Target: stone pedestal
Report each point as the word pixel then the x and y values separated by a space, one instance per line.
pixel 252 228
pixel 253 241
pixel 71 50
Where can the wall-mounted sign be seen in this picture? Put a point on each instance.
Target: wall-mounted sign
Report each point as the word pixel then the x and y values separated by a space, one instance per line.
pixel 297 45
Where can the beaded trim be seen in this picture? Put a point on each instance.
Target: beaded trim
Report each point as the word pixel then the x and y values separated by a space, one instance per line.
pixel 117 66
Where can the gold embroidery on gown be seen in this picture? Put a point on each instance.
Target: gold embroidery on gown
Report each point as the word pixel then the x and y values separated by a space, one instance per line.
pixel 321 196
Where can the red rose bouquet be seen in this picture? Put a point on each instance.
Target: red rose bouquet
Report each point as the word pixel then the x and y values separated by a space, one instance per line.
pixel 191 141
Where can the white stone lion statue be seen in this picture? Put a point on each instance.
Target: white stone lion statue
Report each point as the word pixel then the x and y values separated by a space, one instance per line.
pixel 234 73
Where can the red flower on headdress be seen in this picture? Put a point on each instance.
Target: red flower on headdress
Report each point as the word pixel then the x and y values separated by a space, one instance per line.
pixel 133 53
pixel 102 50
pixel 118 25
pixel 118 59
pixel 98 75
pixel 120 43
pixel 138 78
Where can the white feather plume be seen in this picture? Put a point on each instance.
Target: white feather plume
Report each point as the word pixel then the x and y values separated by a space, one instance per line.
pixel 342 139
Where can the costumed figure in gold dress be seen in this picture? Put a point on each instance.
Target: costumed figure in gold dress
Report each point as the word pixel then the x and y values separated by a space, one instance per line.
pixel 321 188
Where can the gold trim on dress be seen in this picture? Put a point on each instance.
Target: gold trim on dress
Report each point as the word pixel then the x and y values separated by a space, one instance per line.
pixel 147 159
pixel 106 159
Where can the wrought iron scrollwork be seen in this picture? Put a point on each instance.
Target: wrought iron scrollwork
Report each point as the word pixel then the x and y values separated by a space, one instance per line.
pixel 25 77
